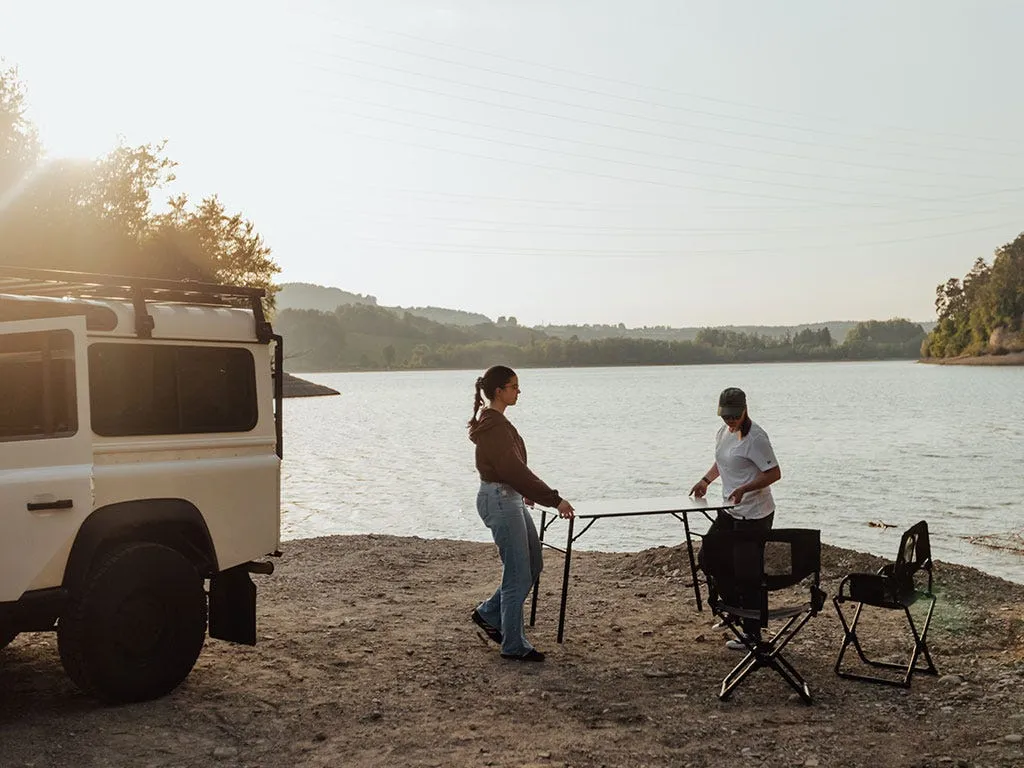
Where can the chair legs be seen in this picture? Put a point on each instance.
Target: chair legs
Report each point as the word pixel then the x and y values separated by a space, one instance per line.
pixel 908 670
pixel 768 654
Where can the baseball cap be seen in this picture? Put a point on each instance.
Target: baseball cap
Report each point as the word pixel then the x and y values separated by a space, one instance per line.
pixel 732 402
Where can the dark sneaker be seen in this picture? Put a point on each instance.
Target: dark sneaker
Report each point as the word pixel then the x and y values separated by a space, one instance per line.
pixel 492 632
pixel 739 645
pixel 531 655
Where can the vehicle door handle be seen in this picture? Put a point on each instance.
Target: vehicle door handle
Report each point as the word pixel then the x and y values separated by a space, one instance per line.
pixel 37 506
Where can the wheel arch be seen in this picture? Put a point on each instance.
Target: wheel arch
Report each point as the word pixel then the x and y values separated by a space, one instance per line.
pixel 176 523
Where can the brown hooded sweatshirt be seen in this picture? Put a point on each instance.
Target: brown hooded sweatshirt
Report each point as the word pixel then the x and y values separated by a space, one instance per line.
pixel 501 458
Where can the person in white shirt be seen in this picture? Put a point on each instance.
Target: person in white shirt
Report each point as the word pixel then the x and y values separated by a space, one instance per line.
pixel 746 462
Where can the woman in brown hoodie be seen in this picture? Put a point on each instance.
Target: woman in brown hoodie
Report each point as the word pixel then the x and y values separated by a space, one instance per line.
pixel 507 487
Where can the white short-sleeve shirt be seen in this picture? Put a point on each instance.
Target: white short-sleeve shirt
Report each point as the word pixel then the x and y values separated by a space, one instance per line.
pixel 739 461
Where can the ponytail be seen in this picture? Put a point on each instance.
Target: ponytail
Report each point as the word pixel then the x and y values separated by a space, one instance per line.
pixel 478 401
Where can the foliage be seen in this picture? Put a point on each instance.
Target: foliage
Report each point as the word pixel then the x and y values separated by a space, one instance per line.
pixel 986 306
pixel 19 140
pixel 376 338
pixel 97 216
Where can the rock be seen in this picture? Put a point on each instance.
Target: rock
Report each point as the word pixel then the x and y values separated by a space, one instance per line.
pixel 293 386
pixel 951 680
pixel 1013 738
pixel 223 753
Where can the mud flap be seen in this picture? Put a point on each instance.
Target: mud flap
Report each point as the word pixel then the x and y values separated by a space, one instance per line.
pixel 233 606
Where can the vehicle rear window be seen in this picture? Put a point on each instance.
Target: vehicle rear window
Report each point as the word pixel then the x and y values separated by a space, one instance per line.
pixel 37 385
pixel 165 389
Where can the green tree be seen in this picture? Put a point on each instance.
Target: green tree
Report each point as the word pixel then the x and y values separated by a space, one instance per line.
pixel 97 216
pixel 987 304
pixel 19 139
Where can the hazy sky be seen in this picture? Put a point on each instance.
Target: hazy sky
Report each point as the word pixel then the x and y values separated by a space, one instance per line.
pixel 676 163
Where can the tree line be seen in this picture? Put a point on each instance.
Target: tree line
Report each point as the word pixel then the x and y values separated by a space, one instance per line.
pixel 361 337
pixel 984 312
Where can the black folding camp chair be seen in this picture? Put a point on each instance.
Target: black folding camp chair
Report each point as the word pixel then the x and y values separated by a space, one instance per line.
pixel 746 570
pixel 894 587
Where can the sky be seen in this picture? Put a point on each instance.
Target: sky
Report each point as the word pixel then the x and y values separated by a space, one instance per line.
pixel 658 162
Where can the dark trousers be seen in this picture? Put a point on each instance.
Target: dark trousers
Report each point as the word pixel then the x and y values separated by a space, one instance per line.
pixel 726 522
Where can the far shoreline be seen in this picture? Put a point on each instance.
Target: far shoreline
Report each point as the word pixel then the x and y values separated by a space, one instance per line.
pixel 1011 358
pixel 623 365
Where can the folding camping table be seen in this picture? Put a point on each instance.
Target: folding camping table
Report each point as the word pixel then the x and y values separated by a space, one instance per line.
pixel 680 507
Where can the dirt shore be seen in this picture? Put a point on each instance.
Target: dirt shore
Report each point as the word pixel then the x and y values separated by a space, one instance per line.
pixel 367 657
pixel 1013 358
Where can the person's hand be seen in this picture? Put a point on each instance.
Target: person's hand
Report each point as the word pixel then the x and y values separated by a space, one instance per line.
pixel 528 502
pixel 699 489
pixel 737 496
pixel 565 509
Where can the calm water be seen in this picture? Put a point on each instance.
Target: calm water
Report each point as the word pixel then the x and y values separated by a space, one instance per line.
pixel 857 442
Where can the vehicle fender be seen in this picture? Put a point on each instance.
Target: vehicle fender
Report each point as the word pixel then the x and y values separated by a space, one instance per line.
pixel 174 522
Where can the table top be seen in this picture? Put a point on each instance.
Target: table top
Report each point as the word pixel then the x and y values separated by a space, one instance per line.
pixel 649 506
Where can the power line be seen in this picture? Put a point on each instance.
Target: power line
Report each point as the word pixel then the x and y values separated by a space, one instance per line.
pixel 660 155
pixel 549 204
pixel 648 166
pixel 526 226
pixel 671 137
pixel 631 253
pixel 635 100
pixel 660 89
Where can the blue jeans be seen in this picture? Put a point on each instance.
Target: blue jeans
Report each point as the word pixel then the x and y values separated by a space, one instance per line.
pixel 503 511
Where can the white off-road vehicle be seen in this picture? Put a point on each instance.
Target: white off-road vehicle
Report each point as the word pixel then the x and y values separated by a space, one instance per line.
pixel 140 455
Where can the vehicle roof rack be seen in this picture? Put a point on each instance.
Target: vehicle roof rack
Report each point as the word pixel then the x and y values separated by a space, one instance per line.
pixel 137 290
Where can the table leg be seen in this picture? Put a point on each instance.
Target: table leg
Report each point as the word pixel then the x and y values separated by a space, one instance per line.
pixel 693 562
pixel 536 584
pixel 565 579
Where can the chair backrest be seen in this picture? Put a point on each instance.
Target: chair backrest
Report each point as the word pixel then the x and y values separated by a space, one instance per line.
pixel 915 549
pixel 915 554
pixel 765 560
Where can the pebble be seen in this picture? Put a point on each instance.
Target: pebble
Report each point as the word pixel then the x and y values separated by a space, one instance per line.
pixel 1013 738
pixel 951 680
pixel 811 762
pixel 222 753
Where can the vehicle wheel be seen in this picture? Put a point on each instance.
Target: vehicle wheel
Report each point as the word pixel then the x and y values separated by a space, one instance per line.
pixel 135 629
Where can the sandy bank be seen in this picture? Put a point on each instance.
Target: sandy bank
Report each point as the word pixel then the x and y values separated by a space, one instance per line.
pixel 367 657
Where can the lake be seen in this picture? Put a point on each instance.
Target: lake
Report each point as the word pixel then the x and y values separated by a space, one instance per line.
pixel 894 442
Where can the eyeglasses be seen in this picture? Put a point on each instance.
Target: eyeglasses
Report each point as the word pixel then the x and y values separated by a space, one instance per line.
pixel 732 418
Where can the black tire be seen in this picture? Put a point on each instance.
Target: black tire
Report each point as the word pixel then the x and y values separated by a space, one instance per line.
pixel 134 630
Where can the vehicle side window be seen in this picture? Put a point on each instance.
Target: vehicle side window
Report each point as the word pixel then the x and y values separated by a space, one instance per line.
pixel 37 385
pixel 163 389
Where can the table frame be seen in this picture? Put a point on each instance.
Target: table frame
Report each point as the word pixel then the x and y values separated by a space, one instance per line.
pixel 681 513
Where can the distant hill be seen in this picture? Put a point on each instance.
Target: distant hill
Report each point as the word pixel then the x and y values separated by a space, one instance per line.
pixel 318 297
pixel 445 316
pixel 327 299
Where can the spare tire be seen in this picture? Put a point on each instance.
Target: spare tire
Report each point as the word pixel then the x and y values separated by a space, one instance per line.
pixel 134 629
